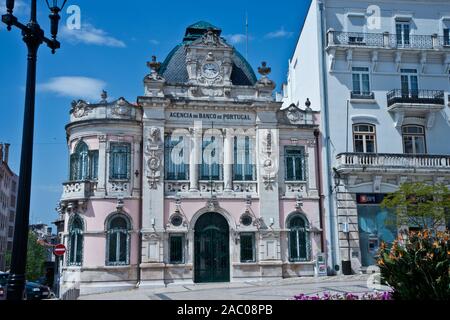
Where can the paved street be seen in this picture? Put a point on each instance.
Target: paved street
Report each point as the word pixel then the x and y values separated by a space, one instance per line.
pixel 268 290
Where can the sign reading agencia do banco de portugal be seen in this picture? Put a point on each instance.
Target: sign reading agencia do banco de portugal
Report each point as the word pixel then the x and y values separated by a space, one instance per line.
pixel 210 116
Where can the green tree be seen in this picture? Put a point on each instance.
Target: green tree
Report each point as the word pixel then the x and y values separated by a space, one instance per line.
pixel 420 205
pixel 36 257
pixel 8 260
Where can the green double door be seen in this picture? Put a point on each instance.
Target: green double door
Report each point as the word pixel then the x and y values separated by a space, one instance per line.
pixel 211 249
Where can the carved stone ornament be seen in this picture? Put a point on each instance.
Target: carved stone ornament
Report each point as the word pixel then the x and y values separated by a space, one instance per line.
pixel 294 115
pixel 151 236
pixel 269 181
pixel 153 154
pixel 155 136
pixel 210 39
pixel 80 108
pixel 122 108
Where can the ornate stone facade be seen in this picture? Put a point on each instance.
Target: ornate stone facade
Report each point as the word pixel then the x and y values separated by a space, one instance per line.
pixel 205 148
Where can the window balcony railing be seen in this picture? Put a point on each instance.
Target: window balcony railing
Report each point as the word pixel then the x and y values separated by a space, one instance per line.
pixel 386 161
pixel 387 40
pixel 78 190
pixel 362 95
pixel 427 97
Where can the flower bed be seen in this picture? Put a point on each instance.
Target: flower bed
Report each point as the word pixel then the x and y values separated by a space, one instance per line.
pixel 346 296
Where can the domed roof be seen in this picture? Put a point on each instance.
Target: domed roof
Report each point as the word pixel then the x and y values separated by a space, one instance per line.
pixel 174 70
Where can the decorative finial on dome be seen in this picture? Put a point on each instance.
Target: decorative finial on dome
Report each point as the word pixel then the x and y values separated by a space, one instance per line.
pixel 154 65
pixel 264 70
pixel 104 96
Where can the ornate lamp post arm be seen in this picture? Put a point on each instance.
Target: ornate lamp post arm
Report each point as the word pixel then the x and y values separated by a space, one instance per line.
pixel 33 36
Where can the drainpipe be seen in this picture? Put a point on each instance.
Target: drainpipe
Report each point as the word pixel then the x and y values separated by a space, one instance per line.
pixel 141 185
pixel 321 196
pixel 324 93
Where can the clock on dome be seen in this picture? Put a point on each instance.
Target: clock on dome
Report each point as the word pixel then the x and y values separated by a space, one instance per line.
pixel 210 70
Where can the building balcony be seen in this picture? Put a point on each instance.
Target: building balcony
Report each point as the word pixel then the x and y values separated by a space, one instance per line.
pixel 391 163
pixel 362 97
pixel 387 40
pixel 78 190
pixel 415 102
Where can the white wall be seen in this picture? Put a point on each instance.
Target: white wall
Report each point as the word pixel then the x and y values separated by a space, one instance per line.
pixel 303 75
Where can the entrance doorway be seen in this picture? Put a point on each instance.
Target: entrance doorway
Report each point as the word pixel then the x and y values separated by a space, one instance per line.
pixel 211 249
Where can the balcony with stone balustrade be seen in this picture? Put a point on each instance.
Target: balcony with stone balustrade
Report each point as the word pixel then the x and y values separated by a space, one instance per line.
pixel 386 40
pixel 392 163
pixel 78 190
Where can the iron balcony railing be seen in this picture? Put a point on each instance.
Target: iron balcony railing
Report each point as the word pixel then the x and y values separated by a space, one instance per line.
pixel 387 40
pixel 362 95
pixel 415 96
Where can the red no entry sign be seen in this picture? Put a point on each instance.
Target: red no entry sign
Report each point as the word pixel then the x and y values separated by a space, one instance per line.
pixel 59 250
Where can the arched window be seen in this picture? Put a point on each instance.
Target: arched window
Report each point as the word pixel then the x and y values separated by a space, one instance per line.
pixel 76 242
pixel 118 241
pixel 299 242
pixel 83 163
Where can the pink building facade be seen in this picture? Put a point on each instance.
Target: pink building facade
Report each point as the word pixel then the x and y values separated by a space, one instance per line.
pixel 204 179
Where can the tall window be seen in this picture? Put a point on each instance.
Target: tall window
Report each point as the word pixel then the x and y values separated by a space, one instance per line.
pixel 211 168
pixel 361 82
pixel 247 247
pixel 414 140
pixel 299 244
pixel 295 164
pixel 446 37
pixel 410 83
pixel 76 242
pixel 364 138
pixel 119 161
pixel 83 163
pixel 177 167
pixel 244 165
pixel 118 242
pixel 176 243
pixel 403 30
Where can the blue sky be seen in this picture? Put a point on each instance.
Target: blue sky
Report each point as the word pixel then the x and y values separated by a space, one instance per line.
pixel 110 51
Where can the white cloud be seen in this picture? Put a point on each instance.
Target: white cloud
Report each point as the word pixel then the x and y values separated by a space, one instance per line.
pixel 279 34
pixel 74 87
pixel 20 7
pixel 90 35
pixel 235 38
pixel 154 42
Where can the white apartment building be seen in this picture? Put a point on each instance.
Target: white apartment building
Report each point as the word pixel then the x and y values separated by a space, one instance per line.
pixel 379 70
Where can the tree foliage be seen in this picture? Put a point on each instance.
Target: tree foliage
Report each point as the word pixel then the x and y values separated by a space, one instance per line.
pixel 36 257
pixel 420 205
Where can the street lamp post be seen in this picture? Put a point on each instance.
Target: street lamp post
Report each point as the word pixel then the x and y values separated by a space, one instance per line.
pixel 33 36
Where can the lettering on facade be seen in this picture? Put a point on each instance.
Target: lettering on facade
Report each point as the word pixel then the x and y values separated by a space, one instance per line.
pixel 210 116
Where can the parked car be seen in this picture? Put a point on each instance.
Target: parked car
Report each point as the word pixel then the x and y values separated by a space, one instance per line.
pixel 3 282
pixel 33 290
pixel 36 291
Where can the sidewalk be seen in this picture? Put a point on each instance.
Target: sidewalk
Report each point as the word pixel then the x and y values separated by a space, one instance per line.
pixel 282 289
